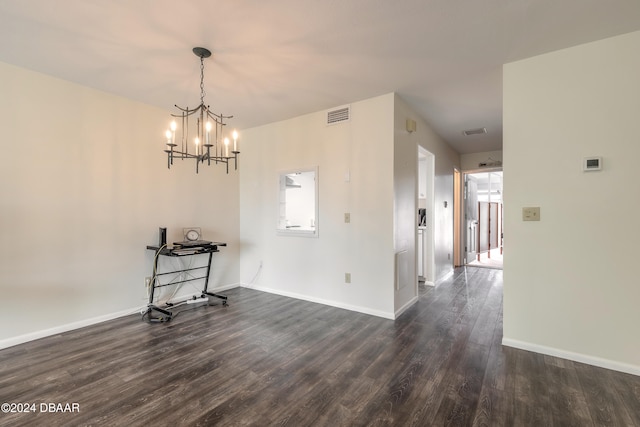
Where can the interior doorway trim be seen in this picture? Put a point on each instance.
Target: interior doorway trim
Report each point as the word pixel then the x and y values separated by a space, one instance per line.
pixel 477 217
pixel 426 200
pixel 457 218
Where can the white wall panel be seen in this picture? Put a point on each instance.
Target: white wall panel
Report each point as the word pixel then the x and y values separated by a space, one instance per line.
pixel 314 268
pixel 84 187
pixel 570 281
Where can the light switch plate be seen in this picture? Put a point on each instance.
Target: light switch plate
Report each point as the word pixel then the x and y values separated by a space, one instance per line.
pixel 531 214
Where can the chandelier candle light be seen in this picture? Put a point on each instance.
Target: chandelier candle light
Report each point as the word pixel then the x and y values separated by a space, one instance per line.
pixel 210 144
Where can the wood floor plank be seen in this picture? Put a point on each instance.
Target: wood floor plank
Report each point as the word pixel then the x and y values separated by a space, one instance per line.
pixel 565 396
pixel 532 405
pixel 465 379
pixel 605 404
pixel 271 360
pixel 628 388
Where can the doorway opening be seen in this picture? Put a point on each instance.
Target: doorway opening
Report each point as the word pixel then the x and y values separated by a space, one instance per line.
pixel 483 224
pixel 426 221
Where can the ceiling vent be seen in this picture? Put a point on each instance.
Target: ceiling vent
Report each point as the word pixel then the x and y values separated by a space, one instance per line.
pixel 474 131
pixel 339 115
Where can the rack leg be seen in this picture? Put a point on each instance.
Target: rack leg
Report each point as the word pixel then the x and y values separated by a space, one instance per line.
pixel 211 294
pixel 205 291
pixel 165 315
pixel 153 277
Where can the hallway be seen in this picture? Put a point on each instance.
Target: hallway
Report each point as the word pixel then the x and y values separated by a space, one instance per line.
pixel 491 259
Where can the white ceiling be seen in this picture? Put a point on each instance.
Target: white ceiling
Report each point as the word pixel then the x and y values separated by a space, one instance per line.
pixel 278 59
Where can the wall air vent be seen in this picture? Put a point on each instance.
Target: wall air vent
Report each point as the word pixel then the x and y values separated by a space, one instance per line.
pixel 477 131
pixel 339 115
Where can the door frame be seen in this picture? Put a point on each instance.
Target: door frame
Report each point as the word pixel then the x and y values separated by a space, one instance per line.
pixel 470 231
pixel 462 206
pixel 458 202
pixel 428 233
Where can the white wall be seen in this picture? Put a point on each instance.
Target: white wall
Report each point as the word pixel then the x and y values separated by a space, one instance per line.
pixel 405 189
pixel 446 159
pixel 84 187
pixel 380 157
pixel 472 161
pixel 314 268
pixel 571 287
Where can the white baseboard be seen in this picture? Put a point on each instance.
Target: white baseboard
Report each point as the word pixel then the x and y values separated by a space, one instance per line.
pixel 225 287
pixel 331 303
pixel 32 336
pixel 576 357
pixel 445 277
pixel 406 306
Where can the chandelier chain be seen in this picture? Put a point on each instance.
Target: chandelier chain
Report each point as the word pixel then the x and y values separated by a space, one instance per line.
pixel 202 92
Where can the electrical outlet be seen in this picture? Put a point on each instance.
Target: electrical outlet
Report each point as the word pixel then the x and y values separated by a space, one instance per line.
pixel 347 277
pixel 347 217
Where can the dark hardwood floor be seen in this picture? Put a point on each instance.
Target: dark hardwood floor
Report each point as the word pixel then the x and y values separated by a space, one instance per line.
pixel 269 360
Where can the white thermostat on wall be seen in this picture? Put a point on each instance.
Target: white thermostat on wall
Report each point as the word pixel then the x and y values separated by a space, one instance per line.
pixel 592 164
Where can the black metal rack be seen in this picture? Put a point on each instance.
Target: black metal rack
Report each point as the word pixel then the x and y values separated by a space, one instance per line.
pixel 164 314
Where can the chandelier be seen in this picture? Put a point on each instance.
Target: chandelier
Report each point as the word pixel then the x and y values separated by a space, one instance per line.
pixel 210 144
